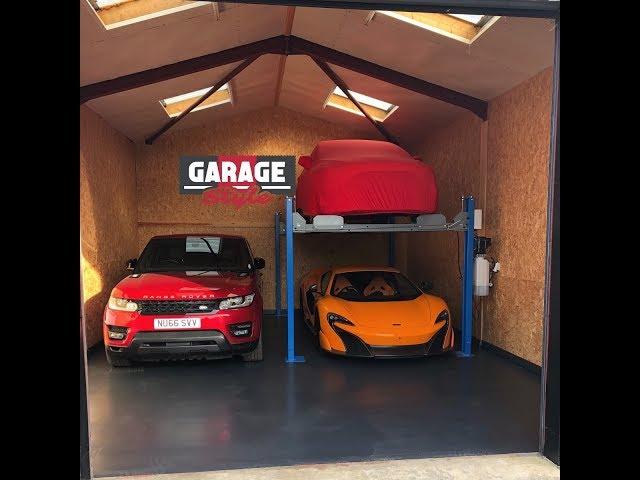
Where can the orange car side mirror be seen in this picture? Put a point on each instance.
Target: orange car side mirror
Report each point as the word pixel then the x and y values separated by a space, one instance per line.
pixel 305 161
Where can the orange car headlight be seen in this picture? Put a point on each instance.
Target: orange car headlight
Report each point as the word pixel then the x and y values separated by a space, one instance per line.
pixel 443 316
pixel 335 318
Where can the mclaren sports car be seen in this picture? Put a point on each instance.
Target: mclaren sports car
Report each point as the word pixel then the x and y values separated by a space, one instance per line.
pixel 374 312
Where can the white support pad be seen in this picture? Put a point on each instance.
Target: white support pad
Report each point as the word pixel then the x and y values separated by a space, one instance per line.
pixel 435 219
pixel 477 219
pixel 328 221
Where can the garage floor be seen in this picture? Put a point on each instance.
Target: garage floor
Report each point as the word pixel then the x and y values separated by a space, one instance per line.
pixel 199 416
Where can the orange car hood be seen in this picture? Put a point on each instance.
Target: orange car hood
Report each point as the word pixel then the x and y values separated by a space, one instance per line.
pixel 381 314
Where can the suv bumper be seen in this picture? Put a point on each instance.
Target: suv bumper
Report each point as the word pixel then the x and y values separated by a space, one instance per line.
pixel 180 345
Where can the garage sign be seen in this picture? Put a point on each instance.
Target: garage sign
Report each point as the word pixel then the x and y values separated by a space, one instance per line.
pixel 271 174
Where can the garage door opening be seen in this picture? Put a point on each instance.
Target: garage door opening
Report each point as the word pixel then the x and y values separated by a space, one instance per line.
pixel 469 93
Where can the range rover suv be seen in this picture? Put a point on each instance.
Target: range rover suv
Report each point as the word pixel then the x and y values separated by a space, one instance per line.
pixel 188 297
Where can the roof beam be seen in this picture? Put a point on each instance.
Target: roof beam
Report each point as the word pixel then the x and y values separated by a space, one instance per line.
pixel 180 69
pixel 284 45
pixel 299 45
pixel 288 26
pixel 225 79
pixel 345 89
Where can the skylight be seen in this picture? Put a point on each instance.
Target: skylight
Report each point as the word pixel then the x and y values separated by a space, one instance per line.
pixel 109 3
pixel 120 13
pixel 378 109
pixel 475 19
pixel 174 106
pixel 462 27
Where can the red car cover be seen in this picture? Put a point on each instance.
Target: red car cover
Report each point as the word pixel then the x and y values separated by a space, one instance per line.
pixel 362 177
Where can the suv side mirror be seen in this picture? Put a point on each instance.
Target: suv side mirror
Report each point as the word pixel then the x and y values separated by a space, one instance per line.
pixel 258 263
pixel 426 286
pixel 131 264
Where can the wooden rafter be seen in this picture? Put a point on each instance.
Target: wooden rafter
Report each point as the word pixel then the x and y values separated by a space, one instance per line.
pixel 288 26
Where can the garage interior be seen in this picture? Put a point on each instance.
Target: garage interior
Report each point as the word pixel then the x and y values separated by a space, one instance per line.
pixel 197 416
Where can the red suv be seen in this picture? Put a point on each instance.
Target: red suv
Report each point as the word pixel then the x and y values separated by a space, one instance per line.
pixel 190 296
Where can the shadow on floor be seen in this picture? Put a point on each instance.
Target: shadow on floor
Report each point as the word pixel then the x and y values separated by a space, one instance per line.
pixel 226 414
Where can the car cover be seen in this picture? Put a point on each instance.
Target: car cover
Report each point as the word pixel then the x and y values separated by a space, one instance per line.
pixel 364 177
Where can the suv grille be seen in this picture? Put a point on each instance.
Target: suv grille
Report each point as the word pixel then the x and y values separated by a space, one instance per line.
pixel 170 307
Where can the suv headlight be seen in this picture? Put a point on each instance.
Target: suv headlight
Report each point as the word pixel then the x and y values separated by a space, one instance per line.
pixel 237 302
pixel 122 304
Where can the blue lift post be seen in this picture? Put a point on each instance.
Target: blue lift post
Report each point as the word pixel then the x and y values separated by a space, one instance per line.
pixel 467 280
pixel 277 263
pixel 291 353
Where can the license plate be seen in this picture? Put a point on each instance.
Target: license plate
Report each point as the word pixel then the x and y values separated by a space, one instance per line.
pixel 175 323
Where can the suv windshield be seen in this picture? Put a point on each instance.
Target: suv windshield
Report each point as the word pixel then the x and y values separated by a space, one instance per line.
pixel 373 286
pixel 195 254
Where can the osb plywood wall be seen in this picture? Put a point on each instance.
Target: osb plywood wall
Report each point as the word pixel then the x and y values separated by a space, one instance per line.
pixel 272 131
pixel 511 188
pixel 518 161
pixel 454 153
pixel 107 214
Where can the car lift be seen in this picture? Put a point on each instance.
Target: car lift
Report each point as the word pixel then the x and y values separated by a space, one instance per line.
pixel 462 222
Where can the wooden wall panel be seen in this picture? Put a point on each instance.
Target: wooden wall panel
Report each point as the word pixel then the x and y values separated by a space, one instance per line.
pixel 272 131
pixel 107 214
pixel 454 153
pixel 510 185
pixel 518 159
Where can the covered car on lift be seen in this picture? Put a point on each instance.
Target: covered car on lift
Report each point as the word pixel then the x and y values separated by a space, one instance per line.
pixel 364 177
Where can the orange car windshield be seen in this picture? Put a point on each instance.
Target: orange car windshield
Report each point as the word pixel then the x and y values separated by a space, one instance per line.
pixel 373 286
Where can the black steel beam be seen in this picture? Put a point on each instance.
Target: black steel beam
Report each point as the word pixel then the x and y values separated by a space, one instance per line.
pixel 284 45
pixel 299 45
pixel 506 8
pixel 227 78
pixel 182 68
pixel 335 78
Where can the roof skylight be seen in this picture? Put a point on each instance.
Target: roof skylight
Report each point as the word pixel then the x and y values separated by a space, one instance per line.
pixel 475 19
pixel 462 27
pixel 120 13
pixel 174 106
pixel 378 109
pixel 109 3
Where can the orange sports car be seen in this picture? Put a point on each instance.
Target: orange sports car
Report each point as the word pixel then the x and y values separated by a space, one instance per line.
pixel 374 312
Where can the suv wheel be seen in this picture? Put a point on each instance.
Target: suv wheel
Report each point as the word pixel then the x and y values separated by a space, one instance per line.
pixel 256 354
pixel 116 362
